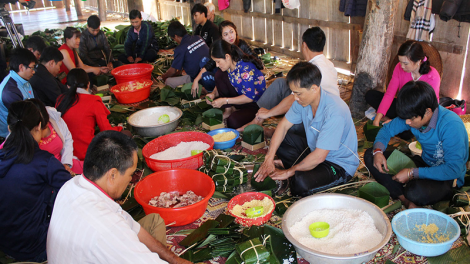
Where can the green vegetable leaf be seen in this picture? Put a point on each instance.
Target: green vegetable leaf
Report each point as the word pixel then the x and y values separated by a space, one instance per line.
pixel 370 131
pixel 398 161
pixel 212 117
pixel 253 134
pixel 376 193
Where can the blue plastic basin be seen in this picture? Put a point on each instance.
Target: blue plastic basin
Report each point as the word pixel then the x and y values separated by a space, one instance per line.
pixel 224 144
pixel 406 226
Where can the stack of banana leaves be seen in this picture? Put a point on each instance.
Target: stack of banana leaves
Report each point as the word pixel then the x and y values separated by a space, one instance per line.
pixel 222 237
pixel 226 173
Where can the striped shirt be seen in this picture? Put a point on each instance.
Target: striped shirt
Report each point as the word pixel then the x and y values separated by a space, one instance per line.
pixel 87 226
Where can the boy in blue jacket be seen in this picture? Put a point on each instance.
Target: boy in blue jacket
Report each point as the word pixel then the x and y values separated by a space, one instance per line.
pixel 140 45
pixel 444 142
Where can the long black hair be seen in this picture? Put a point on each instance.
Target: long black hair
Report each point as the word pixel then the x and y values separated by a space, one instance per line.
pixel 77 78
pixel 239 42
pixel 42 109
pixel 23 116
pixel 220 48
pixel 414 52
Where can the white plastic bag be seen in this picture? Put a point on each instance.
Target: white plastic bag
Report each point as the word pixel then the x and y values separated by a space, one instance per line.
pixel 291 4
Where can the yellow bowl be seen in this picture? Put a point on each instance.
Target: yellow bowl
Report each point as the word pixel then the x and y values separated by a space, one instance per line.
pixel 319 229
pixel 254 211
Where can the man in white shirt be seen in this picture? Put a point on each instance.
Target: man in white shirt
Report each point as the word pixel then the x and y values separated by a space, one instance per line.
pixel 277 99
pixel 88 226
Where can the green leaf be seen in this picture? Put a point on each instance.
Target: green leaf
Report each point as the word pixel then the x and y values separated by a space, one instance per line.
pixel 173 101
pixel 395 206
pixel 213 117
pixel 265 185
pixel 166 92
pixel 456 255
pixel 395 249
pixel 253 134
pixel 376 193
pixel 199 234
pixel 224 220
pixel 198 120
pixel 280 246
pixel 370 131
pixel 441 206
pixel 186 89
pixel 398 161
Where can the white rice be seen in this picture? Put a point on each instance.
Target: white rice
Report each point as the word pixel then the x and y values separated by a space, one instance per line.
pixel 152 119
pixel 180 151
pixel 351 231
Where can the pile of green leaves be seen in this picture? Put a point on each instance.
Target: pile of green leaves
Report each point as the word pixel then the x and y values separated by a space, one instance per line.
pixel 219 238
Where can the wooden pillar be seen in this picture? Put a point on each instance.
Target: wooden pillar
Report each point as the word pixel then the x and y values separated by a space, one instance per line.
pixel 102 10
pixel 78 7
pixel 374 52
pixel 135 4
pixel 67 5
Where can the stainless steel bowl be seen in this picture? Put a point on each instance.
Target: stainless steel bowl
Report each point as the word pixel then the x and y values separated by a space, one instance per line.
pixel 335 201
pixel 154 130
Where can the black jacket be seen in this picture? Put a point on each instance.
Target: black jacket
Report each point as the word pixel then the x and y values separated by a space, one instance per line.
pixel 92 48
pixel 209 32
pixel 45 86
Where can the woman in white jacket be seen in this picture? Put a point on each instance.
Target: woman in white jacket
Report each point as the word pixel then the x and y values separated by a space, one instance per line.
pixel 57 139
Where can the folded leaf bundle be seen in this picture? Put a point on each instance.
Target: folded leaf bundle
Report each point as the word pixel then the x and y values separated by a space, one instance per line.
pixel 253 134
pixel 253 252
pixel 265 185
pixel 370 131
pixel 223 180
pixel 212 117
pixel 398 161
pixel 186 89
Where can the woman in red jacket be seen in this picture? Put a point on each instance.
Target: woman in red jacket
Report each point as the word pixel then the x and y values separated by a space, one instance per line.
pixel 82 111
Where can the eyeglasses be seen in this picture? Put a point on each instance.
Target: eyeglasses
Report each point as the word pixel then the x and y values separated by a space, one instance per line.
pixel 35 67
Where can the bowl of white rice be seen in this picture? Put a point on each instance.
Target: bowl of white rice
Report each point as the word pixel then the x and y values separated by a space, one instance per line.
pixel 358 228
pixel 146 122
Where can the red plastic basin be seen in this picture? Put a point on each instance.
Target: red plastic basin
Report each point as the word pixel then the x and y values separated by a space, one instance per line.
pixel 181 180
pixel 131 72
pixel 248 197
pixel 171 140
pixel 134 96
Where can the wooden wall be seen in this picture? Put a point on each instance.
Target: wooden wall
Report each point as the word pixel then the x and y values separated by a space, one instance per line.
pixel 450 38
pixel 112 6
pixel 283 32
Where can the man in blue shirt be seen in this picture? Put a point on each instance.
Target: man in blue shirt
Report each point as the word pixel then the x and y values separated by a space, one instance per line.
pixel 187 56
pixel 328 155
pixel 444 142
pixel 15 87
pixel 140 44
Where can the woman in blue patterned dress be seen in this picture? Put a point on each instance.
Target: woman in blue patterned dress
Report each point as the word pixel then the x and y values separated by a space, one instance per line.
pixel 239 83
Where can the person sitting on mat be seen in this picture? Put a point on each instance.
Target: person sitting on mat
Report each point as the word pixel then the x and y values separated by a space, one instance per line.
pixel 88 226
pixel 243 87
pixel 188 54
pixel 413 66
pixel 278 98
pixel 94 48
pixel 71 58
pixel 36 45
pixel 327 156
pixel 140 44
pixel 208 31
pixel 444 142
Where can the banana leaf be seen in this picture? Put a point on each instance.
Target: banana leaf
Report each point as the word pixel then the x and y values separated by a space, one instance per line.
pixel 253 134
pixel 219 161
pixel 279 246
pixel 213 117
pixel 395 206
pixel 166 92
pixel 370 131
pixel 252 251
pixel 441 206
pixel 398 161
pixel 265 185
pixel 186 89
pixel 376 193
pixel 457 255
pixel 224 220
pixel 222 169
pixel 234 258
pixel 199 234
pixel 198 256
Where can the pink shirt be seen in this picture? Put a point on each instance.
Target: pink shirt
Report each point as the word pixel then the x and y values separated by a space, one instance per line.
pixel 400 78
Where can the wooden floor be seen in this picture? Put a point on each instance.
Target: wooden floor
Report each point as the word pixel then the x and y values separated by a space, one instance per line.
pixel 58 18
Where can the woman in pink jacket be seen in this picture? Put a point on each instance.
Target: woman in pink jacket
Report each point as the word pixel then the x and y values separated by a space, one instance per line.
pixel 413 66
